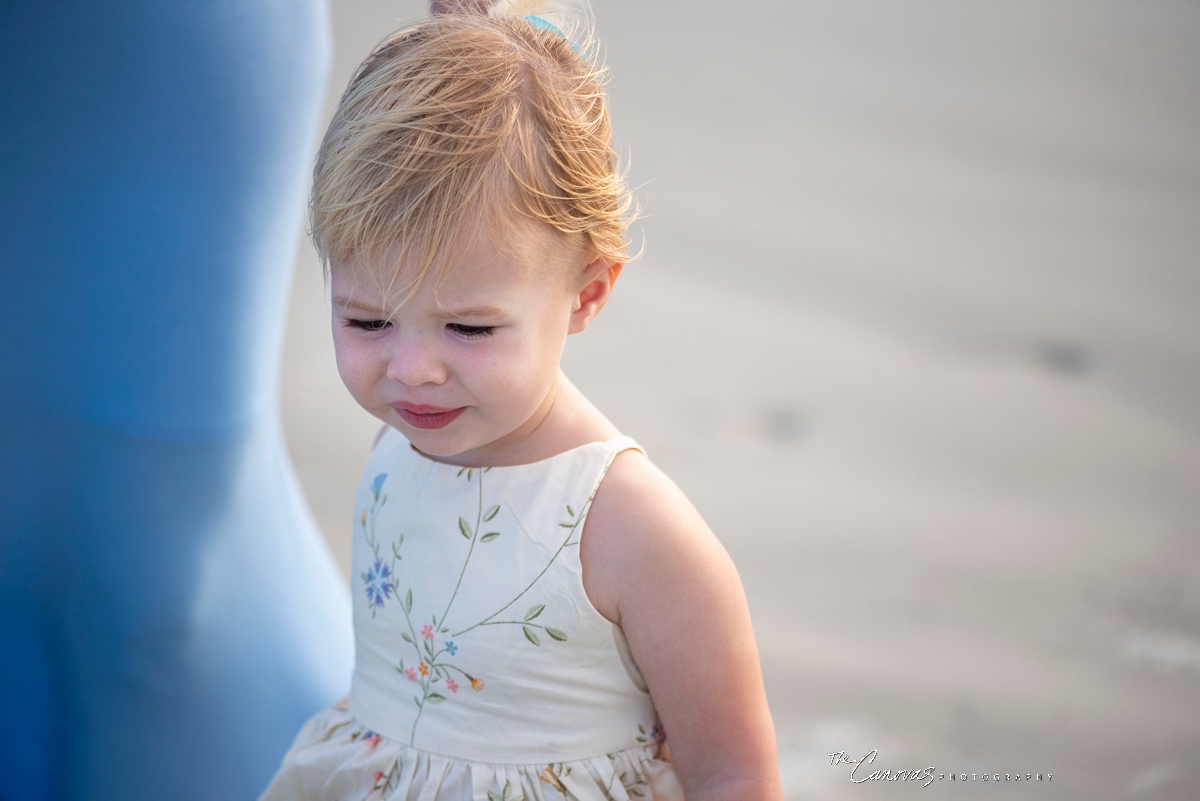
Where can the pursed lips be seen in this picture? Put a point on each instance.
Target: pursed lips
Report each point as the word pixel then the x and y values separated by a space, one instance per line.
pixel 421 415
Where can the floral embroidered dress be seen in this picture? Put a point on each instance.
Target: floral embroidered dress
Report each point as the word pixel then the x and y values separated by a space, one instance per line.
pixel 482 669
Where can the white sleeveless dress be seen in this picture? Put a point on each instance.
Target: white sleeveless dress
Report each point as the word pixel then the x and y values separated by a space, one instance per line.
pixel 482 669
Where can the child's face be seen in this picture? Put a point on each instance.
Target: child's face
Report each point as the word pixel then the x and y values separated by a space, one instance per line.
pixel 469 367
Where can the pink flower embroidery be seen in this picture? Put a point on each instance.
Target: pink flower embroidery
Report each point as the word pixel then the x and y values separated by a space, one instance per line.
pixel 427 632
pixel 452 685
pixel 411 673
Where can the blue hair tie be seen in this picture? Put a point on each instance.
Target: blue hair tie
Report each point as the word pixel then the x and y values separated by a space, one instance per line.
pixel 547 25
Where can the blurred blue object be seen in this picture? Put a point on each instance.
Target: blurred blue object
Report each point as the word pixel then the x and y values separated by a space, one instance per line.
pixel 169 615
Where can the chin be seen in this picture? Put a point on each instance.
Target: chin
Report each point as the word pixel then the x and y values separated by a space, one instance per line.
pixel 433 449
pixel 441 444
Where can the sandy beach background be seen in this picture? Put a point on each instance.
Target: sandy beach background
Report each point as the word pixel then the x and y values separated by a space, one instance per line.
pixel 917 328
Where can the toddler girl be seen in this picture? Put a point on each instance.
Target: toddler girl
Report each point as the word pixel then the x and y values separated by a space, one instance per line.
pixel 536 606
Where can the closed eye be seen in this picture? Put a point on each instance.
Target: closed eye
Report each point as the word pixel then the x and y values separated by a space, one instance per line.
pixel 471 331
pixel 368 325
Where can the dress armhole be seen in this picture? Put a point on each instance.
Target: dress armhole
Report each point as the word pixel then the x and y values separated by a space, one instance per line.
pixel 617 446
pixel 631 668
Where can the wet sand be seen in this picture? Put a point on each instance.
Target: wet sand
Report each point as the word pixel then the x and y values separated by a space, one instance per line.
pixel 918 329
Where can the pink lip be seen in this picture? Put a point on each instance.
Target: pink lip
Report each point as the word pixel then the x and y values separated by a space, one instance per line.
pixel 420 415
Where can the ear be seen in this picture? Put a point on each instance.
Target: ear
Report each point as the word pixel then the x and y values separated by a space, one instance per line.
pixel 599 278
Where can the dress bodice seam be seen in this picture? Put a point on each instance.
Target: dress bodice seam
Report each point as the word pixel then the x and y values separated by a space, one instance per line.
pixel 651 745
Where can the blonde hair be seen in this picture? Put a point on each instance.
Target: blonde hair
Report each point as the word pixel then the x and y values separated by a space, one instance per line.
pixel 452 124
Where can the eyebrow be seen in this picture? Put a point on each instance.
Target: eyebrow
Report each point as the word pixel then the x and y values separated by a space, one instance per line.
pixel 351 303
pixel 470 311
pixel 476 311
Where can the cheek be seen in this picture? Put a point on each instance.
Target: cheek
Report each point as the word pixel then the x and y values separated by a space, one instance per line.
pixel 537 366
pixel 353 365
pixel 510 374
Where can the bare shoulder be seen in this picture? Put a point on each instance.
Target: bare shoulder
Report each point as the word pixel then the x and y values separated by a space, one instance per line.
pixel 640 531
pixel 652 566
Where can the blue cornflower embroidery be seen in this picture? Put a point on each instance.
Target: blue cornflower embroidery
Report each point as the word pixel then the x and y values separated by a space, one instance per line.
pixel 378 484
pixel 379 583
pixel 451 648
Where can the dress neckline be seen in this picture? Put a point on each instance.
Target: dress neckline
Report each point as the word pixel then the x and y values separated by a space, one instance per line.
pixel 618 443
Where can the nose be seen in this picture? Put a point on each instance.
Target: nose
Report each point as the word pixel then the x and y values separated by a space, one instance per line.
pixel 414 361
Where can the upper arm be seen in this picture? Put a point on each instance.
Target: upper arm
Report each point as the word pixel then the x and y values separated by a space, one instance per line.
pixel 652 565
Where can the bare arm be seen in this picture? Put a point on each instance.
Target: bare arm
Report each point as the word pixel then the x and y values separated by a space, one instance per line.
pixel 653 566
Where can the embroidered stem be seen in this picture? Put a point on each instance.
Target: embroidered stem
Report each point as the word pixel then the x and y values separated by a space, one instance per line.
pixel 471 550
pixel 571 527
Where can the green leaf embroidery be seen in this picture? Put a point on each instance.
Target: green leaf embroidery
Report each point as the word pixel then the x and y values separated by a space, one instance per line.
pixel 507 795
pixel 491 512
pixel 436 698
pixel 556 634
pixel 570 511
pixel 534 611
pixel 408 602
pixel 464 527
pixel 404 634
pixel 491 535
pixel 531 635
